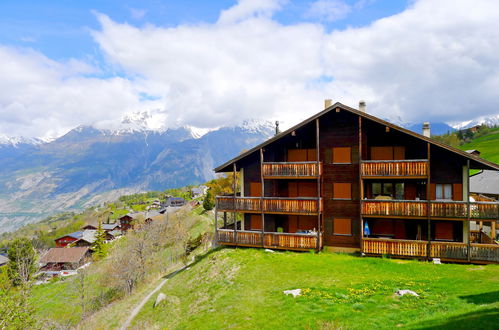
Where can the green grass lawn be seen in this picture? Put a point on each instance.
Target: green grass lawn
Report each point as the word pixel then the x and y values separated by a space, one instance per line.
pixel 242 288
pixel 488 145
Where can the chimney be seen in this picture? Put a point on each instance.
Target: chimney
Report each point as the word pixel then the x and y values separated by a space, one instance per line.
pixel 277 127
pixel 362 105
pixel 426 129
pixel 328 103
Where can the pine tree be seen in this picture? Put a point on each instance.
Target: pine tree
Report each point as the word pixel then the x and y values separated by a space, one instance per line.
pixel 99 245
pixel 209 201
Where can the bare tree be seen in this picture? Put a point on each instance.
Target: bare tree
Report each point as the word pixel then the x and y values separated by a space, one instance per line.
pixel 80 284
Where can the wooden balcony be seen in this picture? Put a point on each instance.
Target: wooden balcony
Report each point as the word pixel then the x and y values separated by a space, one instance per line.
pixel 276 205
pixel 287 241
pixel 394 247
pixel 394 208
pixel 417 168
pixel 436 209
pixel 294 170
pixel 452 251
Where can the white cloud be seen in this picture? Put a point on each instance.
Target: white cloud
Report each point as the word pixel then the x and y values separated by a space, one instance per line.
pixel 328 10
pixel 137 14
pixel 438 60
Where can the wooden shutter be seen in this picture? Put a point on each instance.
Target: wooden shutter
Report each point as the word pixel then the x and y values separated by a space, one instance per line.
pixel 342 226
pixel 307 189
pixel 444 230
pixel 342 155
pixel 433 191
pixel 398 153
pixel 256 222
pixel 382 153
pixel 342 190
pixel 255 189
pixel 292 223
pixel 297 155
pixel 457 191
pixel 311 155
pixel 292 189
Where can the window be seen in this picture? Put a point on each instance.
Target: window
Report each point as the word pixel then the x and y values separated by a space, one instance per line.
pixel 387 189
pixel 342 190
pixel 444 191
pixel 342 155
pixel 342 226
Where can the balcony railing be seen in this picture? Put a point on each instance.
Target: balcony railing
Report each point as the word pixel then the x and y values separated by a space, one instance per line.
pixel 437 209
pixel 395 247
pixel 443 250
pixel 272 240
pixel 395 168
pixel 286 205
pixel 291 170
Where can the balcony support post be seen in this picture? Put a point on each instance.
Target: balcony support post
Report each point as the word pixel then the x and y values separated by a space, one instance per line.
pixel 428 206
pixel 225 220
pixel 468 209
pixel 262 194
pixel 361 188
pixel 317 155
pixel 234 202
pixel 216 225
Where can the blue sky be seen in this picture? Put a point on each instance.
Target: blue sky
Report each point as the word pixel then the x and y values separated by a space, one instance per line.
pixel 207 64
pixel 60 29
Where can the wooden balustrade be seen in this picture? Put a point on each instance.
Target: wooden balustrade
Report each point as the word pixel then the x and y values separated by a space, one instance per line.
pixel 449 250
pixel 394 208
pixel 298 205
pixel 291 170
pixel 438 209
pixel 444 250
pixel 448 209
pixel 395 247
pixel 484 252
pixel 403 168
pixel 289 241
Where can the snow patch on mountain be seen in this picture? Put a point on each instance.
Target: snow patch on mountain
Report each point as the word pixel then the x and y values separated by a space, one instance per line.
pixel 17 140
pixel 484 120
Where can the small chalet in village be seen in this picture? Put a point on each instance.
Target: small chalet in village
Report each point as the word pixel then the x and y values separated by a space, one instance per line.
pixel 62 261
pixel 349 181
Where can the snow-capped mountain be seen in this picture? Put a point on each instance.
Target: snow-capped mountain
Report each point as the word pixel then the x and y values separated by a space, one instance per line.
pixel 17 140
pixel 91 164
pixel 484 120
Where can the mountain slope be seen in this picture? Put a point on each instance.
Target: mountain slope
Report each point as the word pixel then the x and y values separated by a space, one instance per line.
pixel 488 146
pixel 91 165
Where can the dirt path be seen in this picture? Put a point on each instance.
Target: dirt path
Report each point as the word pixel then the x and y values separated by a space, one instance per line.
pixel 137 308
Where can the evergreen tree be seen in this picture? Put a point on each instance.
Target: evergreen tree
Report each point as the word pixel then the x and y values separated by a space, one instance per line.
pixel 99 245
pixel 209 201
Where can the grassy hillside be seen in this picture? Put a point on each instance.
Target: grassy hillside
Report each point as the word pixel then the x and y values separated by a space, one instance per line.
pixel 242 288
pixel 488 145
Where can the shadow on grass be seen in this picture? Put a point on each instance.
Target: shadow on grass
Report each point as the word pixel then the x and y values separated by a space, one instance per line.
pixel 197 259
pixel 480 319
pixel 483 298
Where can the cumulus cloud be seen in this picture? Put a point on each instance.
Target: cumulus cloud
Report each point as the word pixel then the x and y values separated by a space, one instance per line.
pixel 437 60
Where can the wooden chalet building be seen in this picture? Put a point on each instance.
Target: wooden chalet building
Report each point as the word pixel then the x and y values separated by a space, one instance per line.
pixel 353 182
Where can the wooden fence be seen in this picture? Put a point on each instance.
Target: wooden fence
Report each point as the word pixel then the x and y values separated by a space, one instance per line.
pixel 289 241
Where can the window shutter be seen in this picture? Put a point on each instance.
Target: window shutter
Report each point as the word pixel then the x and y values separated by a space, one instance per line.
pixel 457 192
pixel 433 191
pixel 342 226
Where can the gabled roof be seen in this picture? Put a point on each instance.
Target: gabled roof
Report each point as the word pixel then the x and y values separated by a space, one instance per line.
pixel 474 159
pixel 485 182
pixel 110 226
pixel 63 255
pixel 85 235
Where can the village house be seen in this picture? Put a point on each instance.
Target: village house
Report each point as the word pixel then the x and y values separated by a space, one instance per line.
pixel 64 261
pixel 200 191
pixel 348 181
pixel 127 221
pixel 174 201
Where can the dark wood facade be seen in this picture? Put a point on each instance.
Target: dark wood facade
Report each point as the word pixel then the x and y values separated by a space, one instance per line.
pixel 350 180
